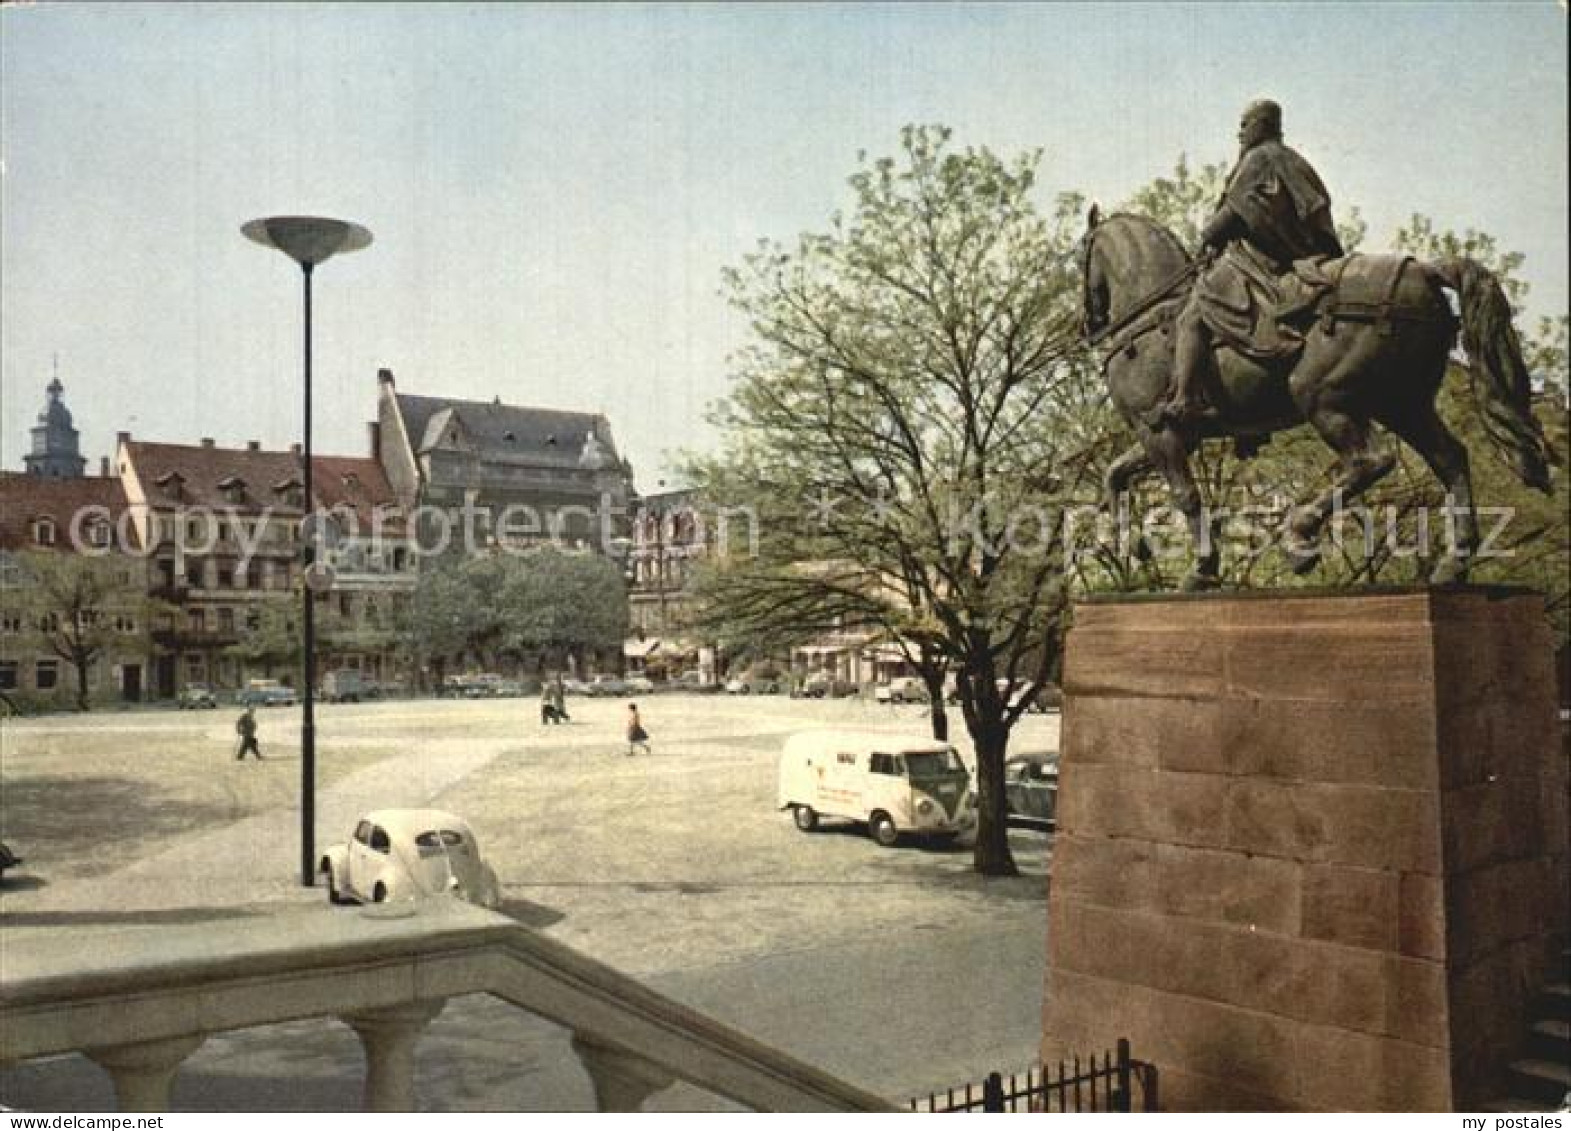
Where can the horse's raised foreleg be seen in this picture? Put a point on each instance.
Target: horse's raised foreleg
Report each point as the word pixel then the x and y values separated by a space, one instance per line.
pixel 1427 435
pixel 1363 463
pixel 1169 454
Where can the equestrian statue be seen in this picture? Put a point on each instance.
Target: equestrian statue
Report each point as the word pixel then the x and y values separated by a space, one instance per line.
pixel 1273 326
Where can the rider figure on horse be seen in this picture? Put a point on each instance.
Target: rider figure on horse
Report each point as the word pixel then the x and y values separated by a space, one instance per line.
pixel 1274 213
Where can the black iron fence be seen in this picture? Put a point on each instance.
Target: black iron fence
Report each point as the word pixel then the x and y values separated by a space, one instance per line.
pixel 1113 1081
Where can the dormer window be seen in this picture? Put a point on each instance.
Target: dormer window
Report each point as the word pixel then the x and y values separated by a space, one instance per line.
pixel 291 492
pixel 173 484
pixel 44 531
pixel 233 488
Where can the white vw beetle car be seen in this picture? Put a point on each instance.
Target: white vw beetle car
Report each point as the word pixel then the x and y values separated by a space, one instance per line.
pixel 400 854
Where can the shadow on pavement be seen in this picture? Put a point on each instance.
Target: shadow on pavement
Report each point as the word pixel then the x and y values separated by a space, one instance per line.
pixel 535 915
pixel 102 819
pixel 127 918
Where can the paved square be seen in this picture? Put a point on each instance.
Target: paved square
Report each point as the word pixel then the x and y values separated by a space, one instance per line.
pixel 898 969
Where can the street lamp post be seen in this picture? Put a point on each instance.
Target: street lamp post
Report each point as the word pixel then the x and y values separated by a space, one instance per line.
pixel 308 240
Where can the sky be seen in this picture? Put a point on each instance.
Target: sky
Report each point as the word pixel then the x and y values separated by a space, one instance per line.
pixel 554 190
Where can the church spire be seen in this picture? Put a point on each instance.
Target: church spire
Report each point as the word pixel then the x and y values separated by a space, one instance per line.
pixel 55 453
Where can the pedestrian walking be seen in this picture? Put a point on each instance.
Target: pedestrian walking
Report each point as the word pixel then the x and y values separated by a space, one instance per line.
pixel 559 700
pixel 636 734
pixel 548 713
pixel 245 727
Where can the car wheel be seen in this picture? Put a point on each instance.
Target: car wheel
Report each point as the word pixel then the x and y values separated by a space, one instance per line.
pixel 379 894
pixel 883 829
pixel 334 896
pixel 805 817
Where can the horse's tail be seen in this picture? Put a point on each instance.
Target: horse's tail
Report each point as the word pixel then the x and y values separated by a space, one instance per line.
pixel 1495 355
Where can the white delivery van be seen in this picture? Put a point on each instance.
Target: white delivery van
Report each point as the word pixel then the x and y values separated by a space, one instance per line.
pixel 895 784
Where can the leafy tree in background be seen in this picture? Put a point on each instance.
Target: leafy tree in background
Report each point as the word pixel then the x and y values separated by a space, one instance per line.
pixel 537 608
pixel 269 636
pixel 903 427
pixel 552 605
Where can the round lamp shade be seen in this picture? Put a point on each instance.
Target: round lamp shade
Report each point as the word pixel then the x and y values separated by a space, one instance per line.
pixel 308 240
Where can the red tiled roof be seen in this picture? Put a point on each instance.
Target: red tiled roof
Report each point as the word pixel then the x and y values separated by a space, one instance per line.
pixel 356 482
pixel 25 498
pixel 337 481
pixel 201 469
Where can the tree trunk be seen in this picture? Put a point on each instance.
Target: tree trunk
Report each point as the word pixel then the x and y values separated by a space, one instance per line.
pixel 940 719
pixel 992 856
pixel 80 662
pixel 933 680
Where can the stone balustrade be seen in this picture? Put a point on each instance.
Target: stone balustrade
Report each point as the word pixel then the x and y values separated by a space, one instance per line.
pixel 139 1000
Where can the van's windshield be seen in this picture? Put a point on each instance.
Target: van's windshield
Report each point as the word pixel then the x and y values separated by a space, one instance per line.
pixel 933 764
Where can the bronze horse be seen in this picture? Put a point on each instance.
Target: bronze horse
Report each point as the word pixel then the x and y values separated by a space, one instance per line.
pixel 1361 363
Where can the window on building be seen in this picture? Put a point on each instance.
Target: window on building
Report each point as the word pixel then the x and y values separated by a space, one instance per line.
pixel 10 622
pixel 8 675
pixel 125 623
pixel 44 531
pixel 49 622
pixel 46 676
pixel 345 607
pixel 226 620
pixel 195 667
pixel 196 620
pixel 193 575
pixel 98 533
pixel 226 577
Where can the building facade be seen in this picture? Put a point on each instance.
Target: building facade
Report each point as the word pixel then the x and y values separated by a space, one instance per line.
pixel 73 585
pixel 527 475
pixel 224 532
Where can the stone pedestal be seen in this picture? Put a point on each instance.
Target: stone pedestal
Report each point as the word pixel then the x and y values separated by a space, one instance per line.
pixel 1312 850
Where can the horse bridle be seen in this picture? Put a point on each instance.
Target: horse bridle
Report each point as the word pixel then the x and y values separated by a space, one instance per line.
pixel 1141 308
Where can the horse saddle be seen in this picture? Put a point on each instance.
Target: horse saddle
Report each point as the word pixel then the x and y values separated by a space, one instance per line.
pixel 1264 313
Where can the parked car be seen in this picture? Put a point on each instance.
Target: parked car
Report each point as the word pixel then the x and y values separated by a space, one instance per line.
pixel 901 689
pixel 266 693
pixel 753 683
pixel 483 685
pixel 605 687
pixel 574 687
pixel 344 685
pixel 476 685
pixel 399 854
pixel 693 680
pixel 1031 788
pixel 197 697
pixel 640 684
pixel 822 685
pixel 1045 698
pixel 1038 701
